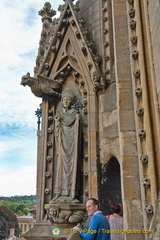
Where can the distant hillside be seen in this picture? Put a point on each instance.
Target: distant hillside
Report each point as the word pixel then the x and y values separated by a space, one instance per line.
pixel 18 204
pixel 19 199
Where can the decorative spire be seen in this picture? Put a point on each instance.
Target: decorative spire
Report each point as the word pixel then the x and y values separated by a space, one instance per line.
pixel 47 12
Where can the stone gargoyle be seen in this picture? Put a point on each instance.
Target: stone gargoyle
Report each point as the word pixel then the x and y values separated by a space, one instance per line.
pixel 41 85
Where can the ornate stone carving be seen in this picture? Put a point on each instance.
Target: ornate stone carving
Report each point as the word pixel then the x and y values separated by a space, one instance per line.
pixel 146 182
pixel 59 34
pixel 46 11
pixel 49 144
pixel 106 44
pixel 41 85
pixel 97 81
pixel 90 44
pixel 84 50
pixel 144 159
pixel 85 101
pixel 69 12
pixel 81 21
pixel 85 111
pixel 85 92
pixel 76 74
pixel 105 19
pixel 47 191
pixel 138 92
pixel 106 58
pixel 85 124
pixel 50 118
pixel 142 134
pixel 105 9
pixel 140 111
pixel 76 7
pixel 89 64
pixel 135 55
pixel 134 39
pixel 56 215
pixel 149 209
pixel 132 12
pixel 50 130
pixel 49 158
pixel 54 48
pixel 136 73
pixel 86 192
pixel 48 174
pixel 78 35
pixel 85 31
pixel 65 21
pixel 46 65
pixel 67 138
pixel 132 24
pixel 105 31
pixel 73 22
pixel 107 71
pixel 85 174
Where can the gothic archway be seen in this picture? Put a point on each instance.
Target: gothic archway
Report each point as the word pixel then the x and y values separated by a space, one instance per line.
pixel 110 184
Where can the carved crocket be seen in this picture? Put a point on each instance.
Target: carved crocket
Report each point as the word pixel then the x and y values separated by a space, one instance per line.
pixel 41 85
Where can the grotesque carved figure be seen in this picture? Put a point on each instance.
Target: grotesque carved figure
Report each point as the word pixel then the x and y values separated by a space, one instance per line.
pixel 41 85
pixel 67 134
pixel 55 215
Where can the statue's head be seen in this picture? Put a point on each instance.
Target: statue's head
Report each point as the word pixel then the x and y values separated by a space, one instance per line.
pixel 26 80
pixel 68 98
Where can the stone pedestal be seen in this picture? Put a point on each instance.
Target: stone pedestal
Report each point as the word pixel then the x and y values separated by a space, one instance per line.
pixel 59 222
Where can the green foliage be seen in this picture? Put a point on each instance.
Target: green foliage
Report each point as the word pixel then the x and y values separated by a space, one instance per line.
pixel 18 204
pixel 26 210
pixel 7 220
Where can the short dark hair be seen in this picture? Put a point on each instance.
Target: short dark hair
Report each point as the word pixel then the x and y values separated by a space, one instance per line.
pixel 95 201
pixel 116 208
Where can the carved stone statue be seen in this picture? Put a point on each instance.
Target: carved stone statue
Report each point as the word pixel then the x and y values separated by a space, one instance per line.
pixel 41 85
pixel 55 215
pixel 67 134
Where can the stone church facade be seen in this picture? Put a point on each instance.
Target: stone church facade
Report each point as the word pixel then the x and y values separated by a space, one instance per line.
pixel 107 53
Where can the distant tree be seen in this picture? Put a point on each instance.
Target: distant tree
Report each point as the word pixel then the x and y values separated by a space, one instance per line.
pixel 7 220
pixel 26 210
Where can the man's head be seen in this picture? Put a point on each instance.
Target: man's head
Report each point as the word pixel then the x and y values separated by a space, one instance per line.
pixel 92 206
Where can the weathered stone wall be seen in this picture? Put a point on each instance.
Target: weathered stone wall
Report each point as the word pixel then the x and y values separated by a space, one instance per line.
pixel 90 11
pixel 154 17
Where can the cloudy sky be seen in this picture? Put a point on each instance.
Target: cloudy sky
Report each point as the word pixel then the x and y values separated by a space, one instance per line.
pixel 19 40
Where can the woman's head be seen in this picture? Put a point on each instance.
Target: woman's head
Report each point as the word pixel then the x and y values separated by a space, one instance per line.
pixel 116 208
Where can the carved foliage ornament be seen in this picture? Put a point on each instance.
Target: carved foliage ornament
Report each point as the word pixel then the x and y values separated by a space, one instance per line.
pixel 47 11
pixel 136 73
pixel 146 182
pixel 140 111
pixel 149 209
pixel 138 92
pixel 142 134
pixel 132 24
pixel 144 159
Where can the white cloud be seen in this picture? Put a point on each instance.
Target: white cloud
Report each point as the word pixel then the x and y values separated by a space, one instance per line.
pixel 20 182
pixel 20 34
